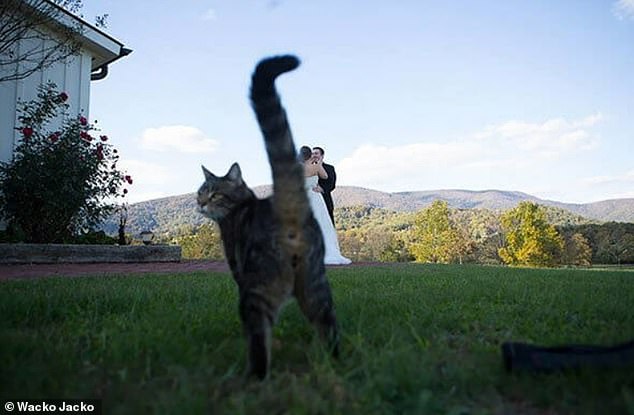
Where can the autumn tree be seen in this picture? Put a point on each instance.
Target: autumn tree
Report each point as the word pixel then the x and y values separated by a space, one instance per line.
pixel 368 233
pixel 577 250
pixel 611 242
pixel 436 238
pixel 486 236
pixel 616 247
pixel 529 239
pixel 205 243
pixel 396 250
pixel 351 243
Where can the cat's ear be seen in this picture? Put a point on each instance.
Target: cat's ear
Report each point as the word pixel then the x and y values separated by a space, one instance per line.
pixel 208 175
pixel 234 174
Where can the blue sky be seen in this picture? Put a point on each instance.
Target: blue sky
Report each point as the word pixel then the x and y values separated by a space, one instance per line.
pixel 534 96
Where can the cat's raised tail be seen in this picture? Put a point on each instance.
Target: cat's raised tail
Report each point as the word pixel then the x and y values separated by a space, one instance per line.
pixel 270 113
pixel 289 198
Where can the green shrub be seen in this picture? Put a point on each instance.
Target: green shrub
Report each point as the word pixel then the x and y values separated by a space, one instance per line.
pixel 62 180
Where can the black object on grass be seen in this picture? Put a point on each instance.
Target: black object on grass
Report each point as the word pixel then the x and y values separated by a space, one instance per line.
pixel 520 357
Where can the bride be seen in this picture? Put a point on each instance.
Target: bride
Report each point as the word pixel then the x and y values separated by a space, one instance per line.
pixel 312 172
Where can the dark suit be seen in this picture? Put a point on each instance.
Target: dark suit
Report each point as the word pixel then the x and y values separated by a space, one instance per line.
pixel 329 185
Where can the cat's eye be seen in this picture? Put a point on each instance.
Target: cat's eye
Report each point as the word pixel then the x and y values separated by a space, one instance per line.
pixel 215 197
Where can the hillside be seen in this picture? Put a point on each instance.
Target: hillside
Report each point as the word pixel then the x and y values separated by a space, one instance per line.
pixel 171 213
pixel 618 210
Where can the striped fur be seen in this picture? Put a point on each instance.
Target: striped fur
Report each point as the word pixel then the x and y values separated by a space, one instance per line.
pixel 274 246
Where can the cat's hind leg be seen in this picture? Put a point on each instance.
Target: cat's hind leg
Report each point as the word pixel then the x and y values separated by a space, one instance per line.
pixel 257 314
pixel 317 305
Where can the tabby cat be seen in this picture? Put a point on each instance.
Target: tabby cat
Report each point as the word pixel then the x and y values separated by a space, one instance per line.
pixel 274 246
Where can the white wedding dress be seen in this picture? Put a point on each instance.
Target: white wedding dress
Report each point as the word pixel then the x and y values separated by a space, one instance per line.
pixel 320 211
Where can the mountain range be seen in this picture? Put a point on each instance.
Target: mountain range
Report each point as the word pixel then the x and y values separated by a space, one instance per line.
pixel 617 210
pixel 169 213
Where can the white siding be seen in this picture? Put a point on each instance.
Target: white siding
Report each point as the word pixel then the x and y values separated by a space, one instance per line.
pixel 72 77
pixel 8 97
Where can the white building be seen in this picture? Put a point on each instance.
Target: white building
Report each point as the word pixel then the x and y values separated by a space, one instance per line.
pixel 97 51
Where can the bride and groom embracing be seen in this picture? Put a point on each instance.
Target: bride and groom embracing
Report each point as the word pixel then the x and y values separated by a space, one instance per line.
pixel 314 171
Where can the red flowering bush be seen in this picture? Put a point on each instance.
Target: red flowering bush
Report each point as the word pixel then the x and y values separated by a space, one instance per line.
pixel 61 181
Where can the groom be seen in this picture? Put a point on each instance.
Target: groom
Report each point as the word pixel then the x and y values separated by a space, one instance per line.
pixel 326 186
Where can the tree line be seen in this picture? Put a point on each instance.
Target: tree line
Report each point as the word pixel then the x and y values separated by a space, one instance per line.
pixel 527 235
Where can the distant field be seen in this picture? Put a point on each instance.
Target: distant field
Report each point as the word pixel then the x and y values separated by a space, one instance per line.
pixel 416 339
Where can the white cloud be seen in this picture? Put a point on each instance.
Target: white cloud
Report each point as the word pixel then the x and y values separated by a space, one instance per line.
pixel 145 173
pixel 209 15
pixel 177 138
pixel 623 9
pixel 548 139
pixel 604 187
pixel 520 149
pixel 622 195
pixel 597 180
pixel 625 178
pixel 374 164
pixel 590 120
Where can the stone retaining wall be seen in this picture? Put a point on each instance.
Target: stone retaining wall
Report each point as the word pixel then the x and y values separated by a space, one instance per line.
pixel 61 253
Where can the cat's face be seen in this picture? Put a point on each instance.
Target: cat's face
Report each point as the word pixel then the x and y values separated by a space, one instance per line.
pixel 219 195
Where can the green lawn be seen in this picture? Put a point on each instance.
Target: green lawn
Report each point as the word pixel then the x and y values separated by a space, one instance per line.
pixel 416 339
